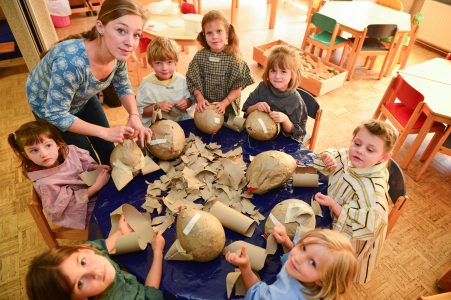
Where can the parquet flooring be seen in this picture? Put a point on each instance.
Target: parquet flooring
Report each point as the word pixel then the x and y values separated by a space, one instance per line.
pixel 415 253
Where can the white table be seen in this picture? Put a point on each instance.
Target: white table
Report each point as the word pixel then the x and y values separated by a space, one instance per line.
pixel 164 26
pixel 355 16
pixel 431 78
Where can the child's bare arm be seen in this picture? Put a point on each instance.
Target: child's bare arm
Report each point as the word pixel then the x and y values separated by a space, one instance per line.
pixel 122 229
pixel 221 106
pixel 261 106
pixel 280 234
pixel 328 201
pixel 101 180
pixel 326 161
pixel 202 103
pixel 153 278
pixel 241 260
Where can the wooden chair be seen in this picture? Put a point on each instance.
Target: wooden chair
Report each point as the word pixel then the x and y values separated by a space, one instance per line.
pixel 398 193
pixel 314 112
pixel 409 41
pixel 313 7
pixel 395 4
pixel 322 32
pixel 442 145
pixel 408 114
pixel 370 45
pixel 51 234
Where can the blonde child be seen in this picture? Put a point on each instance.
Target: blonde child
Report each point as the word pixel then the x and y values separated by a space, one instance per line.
pixel 88 272
pixel 164 88
pixel 54 168
pixel 358 190
pixel 217 73
pixel 321 265
pixel 277 94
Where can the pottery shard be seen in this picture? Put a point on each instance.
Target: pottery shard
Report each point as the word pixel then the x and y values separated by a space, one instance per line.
pixel 208 121
pixel 129 154
pixel 268 170
pixel 292 213
pixel 169 138
pixel 201 234
pixel 260 126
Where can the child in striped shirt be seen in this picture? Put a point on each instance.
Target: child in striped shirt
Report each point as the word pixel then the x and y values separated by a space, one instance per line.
pixel 358 190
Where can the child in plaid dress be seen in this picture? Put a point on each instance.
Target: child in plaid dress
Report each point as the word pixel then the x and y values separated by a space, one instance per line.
pixel 217 74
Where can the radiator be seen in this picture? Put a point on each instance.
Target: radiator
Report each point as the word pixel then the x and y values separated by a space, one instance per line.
pixel 436 26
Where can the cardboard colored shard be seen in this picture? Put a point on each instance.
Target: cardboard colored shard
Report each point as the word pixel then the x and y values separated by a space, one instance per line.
pixel 142 230
pixel 200 234
pixel 89 177
pixel 208 121
pixel 127 161
pixel 176 252
pixel 316 208
pixel 234 279
pixel 268 170
pixel 305 177
pixel 232 219
pixel 261 127
pixel 168 140
pixel 235 123
pixel 297 216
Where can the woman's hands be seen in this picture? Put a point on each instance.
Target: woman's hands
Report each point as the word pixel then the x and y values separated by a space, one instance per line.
pixel 138 130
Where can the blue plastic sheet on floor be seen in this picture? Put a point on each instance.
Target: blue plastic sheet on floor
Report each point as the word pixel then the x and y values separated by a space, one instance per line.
pixel 194 280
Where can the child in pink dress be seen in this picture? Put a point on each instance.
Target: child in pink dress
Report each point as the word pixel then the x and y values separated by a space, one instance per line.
pixel 54 168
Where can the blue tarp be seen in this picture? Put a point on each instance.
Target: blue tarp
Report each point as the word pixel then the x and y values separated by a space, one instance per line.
pixel 194 280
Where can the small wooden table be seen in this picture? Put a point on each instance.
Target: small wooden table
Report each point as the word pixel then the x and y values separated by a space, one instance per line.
pixel 431 78
pixel 355 16
pixel 162 27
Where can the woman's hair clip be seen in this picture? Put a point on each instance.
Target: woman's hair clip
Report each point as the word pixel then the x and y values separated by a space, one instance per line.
pixel 14 133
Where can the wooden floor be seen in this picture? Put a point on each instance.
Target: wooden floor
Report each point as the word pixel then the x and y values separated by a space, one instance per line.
pixel 415 253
